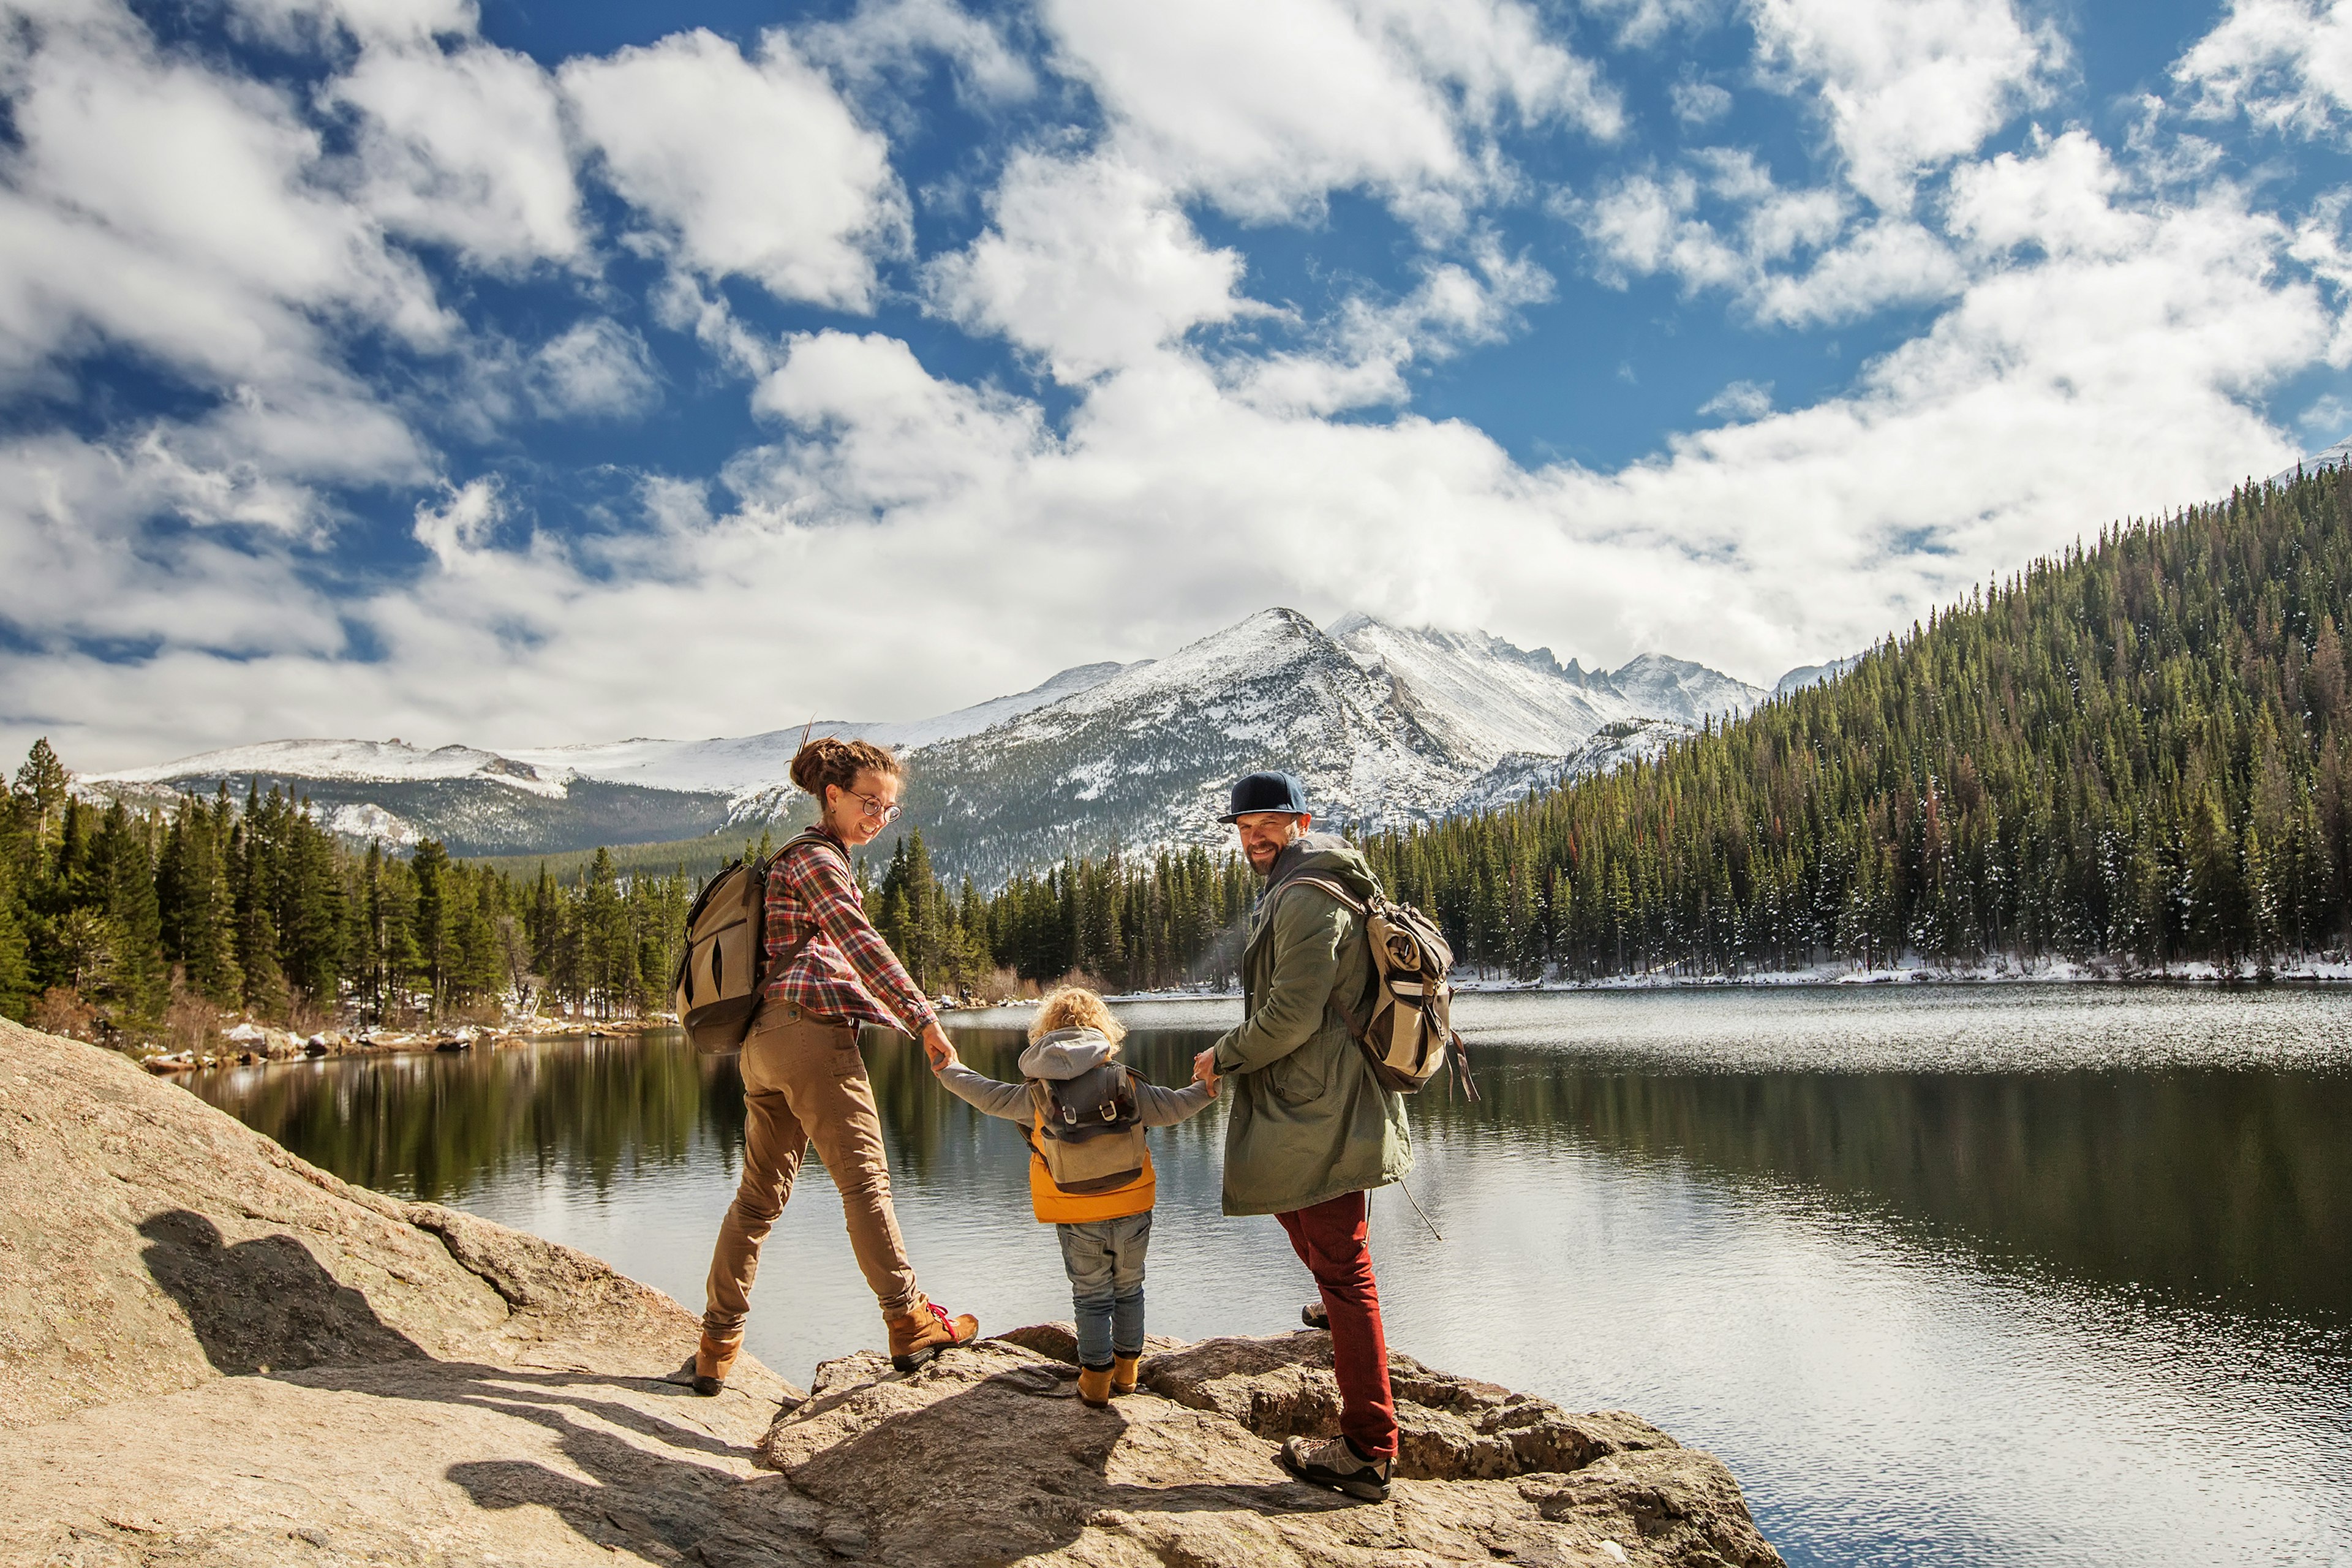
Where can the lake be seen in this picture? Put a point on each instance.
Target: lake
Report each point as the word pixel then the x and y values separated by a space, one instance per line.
pixel 1996 1275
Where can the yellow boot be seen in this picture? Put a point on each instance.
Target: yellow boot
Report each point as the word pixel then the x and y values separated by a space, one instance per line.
pixel 1094 1385
pixel 1123 1372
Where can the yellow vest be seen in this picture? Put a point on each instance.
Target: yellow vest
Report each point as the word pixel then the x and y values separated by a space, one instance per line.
pixel 1054 1206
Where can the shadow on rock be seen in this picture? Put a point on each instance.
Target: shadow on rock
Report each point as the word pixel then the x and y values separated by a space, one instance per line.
pixel 264 1305
pixel 985 1457
pixel 654 1486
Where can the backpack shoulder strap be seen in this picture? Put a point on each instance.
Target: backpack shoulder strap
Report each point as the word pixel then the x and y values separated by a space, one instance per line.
pixel 815 835
pixel 1324 885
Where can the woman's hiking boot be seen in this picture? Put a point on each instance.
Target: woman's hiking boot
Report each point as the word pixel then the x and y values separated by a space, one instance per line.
pixel 714 1358
pixel 1094 1386
pixel 924 1330
pixel 1335 1463
pixel 1123 1370
pixel 1316 1315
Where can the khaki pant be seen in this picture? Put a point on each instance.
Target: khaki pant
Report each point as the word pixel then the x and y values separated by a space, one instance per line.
pixel 803 1080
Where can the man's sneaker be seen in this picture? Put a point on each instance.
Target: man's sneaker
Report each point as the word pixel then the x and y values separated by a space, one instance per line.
pixel 714 1358
pixel 1316 1315
pixel 924 1330
pixel 1331 1463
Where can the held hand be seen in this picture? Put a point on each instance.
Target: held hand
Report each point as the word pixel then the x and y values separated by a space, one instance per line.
pixel 1204 1069
pixel 936 1047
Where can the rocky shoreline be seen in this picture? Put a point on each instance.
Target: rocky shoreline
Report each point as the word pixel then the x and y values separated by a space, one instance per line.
pixel 252 1045
pixel 212 1353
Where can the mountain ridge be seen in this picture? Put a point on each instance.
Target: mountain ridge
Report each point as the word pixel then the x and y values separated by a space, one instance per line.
pixel 1388 725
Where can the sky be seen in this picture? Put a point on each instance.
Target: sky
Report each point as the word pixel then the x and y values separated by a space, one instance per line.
pixel 530 372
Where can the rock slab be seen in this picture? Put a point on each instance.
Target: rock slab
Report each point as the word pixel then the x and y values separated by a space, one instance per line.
pixel 212 1353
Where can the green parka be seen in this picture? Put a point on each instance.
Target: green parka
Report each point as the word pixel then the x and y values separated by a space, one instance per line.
pixel 1305 1118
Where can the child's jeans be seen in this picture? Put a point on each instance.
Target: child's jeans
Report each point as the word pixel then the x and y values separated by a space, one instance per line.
pixel 1105 1260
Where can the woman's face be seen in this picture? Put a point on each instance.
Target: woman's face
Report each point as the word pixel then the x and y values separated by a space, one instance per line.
pixel 857 814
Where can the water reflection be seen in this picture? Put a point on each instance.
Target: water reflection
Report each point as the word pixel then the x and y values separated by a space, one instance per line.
pixel 2057 1276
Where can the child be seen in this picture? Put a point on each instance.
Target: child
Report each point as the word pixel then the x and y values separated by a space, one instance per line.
pixel 1087 1110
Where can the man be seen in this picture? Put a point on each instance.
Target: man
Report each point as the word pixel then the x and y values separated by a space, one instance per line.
pixel 1309 1130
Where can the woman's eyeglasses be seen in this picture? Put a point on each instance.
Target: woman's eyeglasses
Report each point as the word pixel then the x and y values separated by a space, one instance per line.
pixel 880 811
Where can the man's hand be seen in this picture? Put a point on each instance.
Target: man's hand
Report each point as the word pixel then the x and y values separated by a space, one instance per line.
pixel 1204 1069
pixel 936 1047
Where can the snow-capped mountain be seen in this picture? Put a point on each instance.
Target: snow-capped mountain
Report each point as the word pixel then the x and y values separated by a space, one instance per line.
pixel 1480 696
pixel 1675 689
pixel 2335 457
pixel 1146 757
pixel 1806 675
pixel 373 761
pixel 752 765
pixel 1387 725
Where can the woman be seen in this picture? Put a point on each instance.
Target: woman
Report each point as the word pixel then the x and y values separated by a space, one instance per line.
pixel 828 971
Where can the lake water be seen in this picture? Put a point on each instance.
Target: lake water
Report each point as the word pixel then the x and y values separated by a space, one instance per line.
pixel 1996 1276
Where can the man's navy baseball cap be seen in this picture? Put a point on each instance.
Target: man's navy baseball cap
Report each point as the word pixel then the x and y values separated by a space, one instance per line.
pixel 1267 792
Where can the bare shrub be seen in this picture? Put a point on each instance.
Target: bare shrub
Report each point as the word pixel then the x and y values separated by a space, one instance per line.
pixel 1001 984
pixel 191 1023
pixel 61 1011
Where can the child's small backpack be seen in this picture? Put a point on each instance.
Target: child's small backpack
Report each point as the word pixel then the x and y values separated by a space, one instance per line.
pixel 1405 1027
pixel 724 966
pixel 1090 1134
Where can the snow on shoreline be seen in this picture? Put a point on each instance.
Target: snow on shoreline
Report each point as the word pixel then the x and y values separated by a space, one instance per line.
pixel 2327 970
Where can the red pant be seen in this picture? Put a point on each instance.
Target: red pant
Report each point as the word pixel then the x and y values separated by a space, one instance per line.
pixel 1330 1238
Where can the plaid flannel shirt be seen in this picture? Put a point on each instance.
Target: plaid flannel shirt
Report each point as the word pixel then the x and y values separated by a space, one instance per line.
pixel 845 973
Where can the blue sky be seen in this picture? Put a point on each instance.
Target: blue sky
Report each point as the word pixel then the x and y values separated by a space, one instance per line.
pixel 532 372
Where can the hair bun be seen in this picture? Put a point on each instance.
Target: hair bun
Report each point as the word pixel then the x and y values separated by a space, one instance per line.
pixel 829 760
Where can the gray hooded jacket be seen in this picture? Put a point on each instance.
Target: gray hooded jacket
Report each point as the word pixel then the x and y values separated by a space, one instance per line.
pixel 1064 1054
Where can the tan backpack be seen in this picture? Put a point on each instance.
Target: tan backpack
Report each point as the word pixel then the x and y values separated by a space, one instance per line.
pixel 1405 1026
pixel 1089 1130
pixel 724 966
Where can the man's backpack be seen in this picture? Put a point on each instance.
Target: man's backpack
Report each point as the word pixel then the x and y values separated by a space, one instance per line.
pixel 1404 1022
pixel 724 966
pixel 1089 1133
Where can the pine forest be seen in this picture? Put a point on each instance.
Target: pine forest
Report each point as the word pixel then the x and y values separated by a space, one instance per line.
pixel 2134 755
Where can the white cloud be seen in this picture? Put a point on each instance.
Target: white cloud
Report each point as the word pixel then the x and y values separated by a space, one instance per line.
pixel 310 22
pixel 2286 65
pixel 2086 384
pixel 1088 263
pixel 1786 256
pixel 2329 420
pixel 887 40
pixel 2109 334
pixel 464 148
pixel 157 205
pixel 1906 85
pixel 753 168
pixel 1740 400
pixel 456 531
pixel 1643 23
pixel 1266 106
pixel 598 369
pixel 1697 103
pixel 1359 360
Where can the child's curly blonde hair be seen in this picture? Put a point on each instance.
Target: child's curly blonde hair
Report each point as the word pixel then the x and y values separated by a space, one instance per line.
pixel 1074 1008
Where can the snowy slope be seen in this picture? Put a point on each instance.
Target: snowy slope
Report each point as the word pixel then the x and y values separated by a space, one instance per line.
pixel 1386 726
pixel 2335 457
pixel 1479 696
pixel 758 766
pixel 1658 687
pixel 1806 675
pixel 1146 757
pixel 383 761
